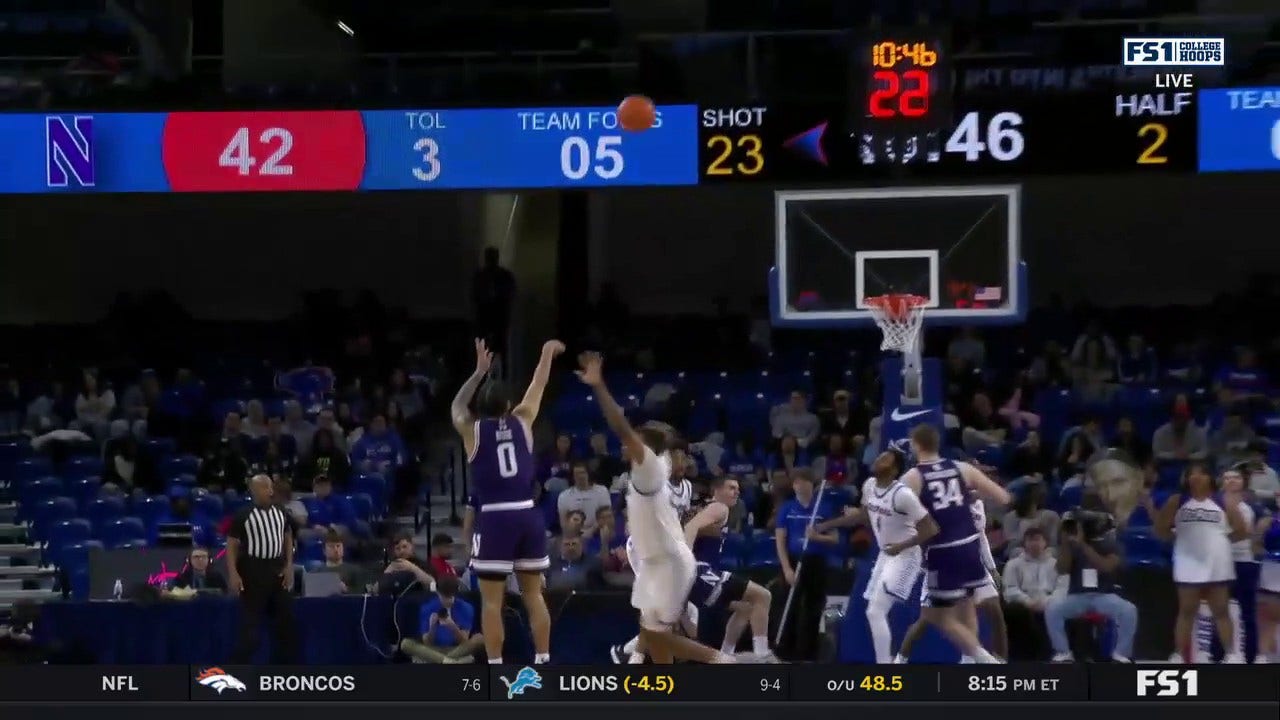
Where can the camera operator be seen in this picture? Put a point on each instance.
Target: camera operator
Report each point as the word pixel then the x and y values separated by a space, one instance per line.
pixel 1089 555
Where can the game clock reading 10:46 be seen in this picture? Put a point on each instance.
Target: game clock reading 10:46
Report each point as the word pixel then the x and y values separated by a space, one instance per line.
pixel 905 77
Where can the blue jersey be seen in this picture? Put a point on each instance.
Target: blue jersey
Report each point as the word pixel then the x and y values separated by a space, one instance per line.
pixel 502 465
pixel 1271 538
pixel 945 495
pixel 708 548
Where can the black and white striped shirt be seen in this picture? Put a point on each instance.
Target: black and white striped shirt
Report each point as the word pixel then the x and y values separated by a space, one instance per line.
pixel 262 531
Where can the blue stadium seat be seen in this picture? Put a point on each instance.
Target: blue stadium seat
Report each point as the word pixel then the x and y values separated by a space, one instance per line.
pixel 103 511
pixel 1144 548
pixel 762 551
pixel 1169 474
pixel 50 511
pixel 176 465
pixel 1070 497
pixel 64 533
pixel 122 531
pixel 75 556
pixel 12 451
pixel 32 467
pixel 85 490
pixel 82 467
pixel 151 509
pixel 132 544
pixel 311 551
pixel 208 505
pixel 362 504
pixel 160 448
pixel 1140 518
pixel 218 409
pixel 185 480
pixel 34 490
pixel 373 485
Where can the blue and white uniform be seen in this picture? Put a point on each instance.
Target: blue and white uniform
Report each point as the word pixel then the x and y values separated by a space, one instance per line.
pixel 893 512
pixel 662 561
pixel 1202 543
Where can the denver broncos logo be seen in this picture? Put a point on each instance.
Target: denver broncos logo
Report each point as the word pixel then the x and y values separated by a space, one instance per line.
pixel 219 679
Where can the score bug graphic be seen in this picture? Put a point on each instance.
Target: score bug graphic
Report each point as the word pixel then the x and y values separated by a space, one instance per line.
pixel 251 151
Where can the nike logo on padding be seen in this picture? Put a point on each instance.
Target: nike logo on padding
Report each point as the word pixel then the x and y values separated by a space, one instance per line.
pixel 899 416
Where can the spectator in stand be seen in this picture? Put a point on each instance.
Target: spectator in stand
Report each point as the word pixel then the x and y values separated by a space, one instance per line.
pixel 1137 365
pixel 1092 370
pixel 50 410
pixel 794 418
pixel 583 496
pixel 571 524
pixel 1229 445
pixel 1261 477
pixel 1050 368
pixel 223 467
pixel 297 426
pixel 621 482
pixel 327 420
pixel 608 537
pixel 379 450
pixel 282 493
pixel 571 568
pixel 1074 460
pixel 1094 335
pixel 777 492
pixel 140 405
pixel 326 459
pixel 396 421
pixel 350 575
pixel 94 407
pixel 746 460
pixel 1029 462
pixel 960 381
pixel 255 419
pixel 328 510
pixel 405 561
pixel 407 396
pixel 559 463
pixel 1029 581
pixel 789 456
pixel 442 556
pixel 968 346
pixel 1015 411
pixel 602 465
pixel 838 467
pixel 232 430
pixel 1243 377
pixel 347 419
pixel 983 427
pixel 1127 440
pixel 197 575
pixel 1028 513
pixel 309 385
pixel 274 463
pixel 1183 368
pixel 127 468
pixel 846 420
pixel 1180 438
pixel 445 623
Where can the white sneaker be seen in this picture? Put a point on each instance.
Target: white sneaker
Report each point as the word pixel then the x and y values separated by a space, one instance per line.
pixel 617 655
pixel 1115 657
pixel 464 660
pixel 1063 658
pixel 900 660
pixel 967 660
pixel 1177 659
pixel 636 659
pixel 1233 659
pixel 765 658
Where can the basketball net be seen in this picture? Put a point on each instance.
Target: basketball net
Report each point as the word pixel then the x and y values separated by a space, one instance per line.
pixel 900 317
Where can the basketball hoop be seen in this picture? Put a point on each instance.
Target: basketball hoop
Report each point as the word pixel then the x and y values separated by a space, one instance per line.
pixel 900 316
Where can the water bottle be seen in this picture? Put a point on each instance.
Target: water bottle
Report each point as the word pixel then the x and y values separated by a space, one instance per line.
pixel 117 590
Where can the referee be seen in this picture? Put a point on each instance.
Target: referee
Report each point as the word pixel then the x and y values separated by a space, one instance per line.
pixel 260 570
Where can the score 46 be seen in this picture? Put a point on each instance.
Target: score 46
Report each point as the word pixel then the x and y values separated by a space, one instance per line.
pixel 1001 138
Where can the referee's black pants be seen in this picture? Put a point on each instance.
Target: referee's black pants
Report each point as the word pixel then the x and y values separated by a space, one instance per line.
pixel 264 596
pixel 800 636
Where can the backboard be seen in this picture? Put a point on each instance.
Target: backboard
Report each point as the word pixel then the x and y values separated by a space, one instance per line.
pixel 957 246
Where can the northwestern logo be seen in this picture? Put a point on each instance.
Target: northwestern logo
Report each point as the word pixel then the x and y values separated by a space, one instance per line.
pixel 526 679
pixel 68 151
pixel 809 143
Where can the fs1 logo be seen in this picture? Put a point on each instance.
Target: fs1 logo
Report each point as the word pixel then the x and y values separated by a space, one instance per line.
pixel 1169 683
pixel 1158 52
pixel 68 150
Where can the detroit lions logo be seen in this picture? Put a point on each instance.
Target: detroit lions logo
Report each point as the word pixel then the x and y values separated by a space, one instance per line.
pixel 526 679
pixel 218 679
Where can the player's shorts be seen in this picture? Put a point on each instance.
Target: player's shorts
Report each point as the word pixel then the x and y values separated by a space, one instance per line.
pixel 1269 579
pixel 661 589
pixel 953 572
pixel 1214 567
pixel 716 588
pixel 509 540
pixel 895 575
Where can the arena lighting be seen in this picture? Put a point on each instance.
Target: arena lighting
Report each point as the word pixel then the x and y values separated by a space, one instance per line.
pixel 346 28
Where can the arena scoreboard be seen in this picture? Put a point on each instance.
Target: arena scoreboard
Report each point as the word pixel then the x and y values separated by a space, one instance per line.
pixel 901 121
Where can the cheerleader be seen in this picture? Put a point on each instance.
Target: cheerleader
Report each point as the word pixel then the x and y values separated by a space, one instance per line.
pixel 1202 526
pixel 1267 539
pixel 1245 589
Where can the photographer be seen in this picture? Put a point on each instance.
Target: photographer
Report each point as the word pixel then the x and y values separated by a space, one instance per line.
pixel 1088 554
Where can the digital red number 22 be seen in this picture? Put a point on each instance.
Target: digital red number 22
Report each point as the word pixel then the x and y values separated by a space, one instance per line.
pixel 911 102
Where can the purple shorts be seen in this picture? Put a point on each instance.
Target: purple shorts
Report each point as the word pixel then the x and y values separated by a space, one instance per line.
pixel 509 540
pixel 953 572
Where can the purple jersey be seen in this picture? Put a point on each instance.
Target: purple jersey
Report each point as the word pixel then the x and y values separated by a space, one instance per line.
pixel 943 492
pixel 502 465
pixel 708 548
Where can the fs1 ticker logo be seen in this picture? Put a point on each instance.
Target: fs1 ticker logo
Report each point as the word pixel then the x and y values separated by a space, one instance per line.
pixel 68 150
pixel 1168 683
pixel 1166 52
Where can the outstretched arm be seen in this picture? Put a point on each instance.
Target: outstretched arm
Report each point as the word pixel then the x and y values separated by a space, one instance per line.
pixel 528 408
pixel 713 514
pixel 592 374
pixel 459 411
pixel 986 488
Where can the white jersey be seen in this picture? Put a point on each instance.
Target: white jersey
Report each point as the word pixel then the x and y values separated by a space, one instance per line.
pixel 893 511
pixel 1242 550
pixel 980 521
pixel 1201 545
pixel 681 496
pixel 653 517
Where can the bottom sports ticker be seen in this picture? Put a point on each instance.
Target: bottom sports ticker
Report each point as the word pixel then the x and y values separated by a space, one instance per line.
pixel 1032 682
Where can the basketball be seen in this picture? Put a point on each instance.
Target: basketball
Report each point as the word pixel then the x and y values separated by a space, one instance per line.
pixel 637 113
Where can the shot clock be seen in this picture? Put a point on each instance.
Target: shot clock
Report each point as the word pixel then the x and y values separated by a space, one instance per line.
pixel 902 79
